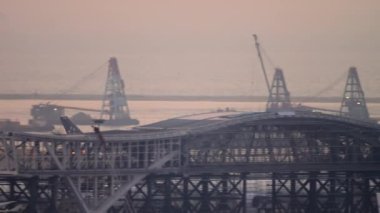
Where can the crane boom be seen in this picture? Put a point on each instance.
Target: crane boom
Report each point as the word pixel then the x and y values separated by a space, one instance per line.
pixel 257 44
pixel 83 109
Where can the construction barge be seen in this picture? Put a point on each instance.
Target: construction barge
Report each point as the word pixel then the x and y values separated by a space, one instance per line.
pixel 114 111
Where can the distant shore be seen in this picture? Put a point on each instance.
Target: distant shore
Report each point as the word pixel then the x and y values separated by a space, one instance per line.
pixel 302 99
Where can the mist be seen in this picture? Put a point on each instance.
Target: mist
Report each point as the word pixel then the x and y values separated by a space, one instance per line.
pixel 199 47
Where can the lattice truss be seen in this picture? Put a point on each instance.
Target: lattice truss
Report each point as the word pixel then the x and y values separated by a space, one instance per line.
pixel 279 96
pixel 33 194
pixel 115 104
pixel 94 175
pixel 285 142
pixel 202 170
pixel 354 103
pixel 324 192
pixel 197 193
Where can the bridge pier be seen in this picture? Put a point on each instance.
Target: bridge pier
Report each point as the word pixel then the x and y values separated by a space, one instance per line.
pixel 190 194
pixel 334 192
pixel 32 194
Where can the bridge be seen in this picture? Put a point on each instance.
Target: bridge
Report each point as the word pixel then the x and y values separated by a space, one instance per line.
pixel 286 159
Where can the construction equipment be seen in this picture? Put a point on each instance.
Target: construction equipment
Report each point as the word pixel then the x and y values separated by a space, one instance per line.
pixel 353 103
pixel 115 109
pixel 279 96
pixel 69 126
pixel 257 44
pixel 49 114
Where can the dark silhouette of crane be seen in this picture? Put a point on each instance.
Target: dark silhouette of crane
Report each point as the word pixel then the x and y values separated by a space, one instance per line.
pixel 279 96
pixel 115 108
pixel 353 103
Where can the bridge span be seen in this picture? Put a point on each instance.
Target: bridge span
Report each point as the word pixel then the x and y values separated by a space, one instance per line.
pixel 285 161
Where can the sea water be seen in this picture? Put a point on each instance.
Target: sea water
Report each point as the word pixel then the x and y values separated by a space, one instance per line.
pixel 150 111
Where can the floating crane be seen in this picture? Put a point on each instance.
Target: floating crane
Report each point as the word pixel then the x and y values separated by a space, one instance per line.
pixel 114 110
pixel 46 113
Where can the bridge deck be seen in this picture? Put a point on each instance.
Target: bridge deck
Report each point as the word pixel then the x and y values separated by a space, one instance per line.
pixel 211 143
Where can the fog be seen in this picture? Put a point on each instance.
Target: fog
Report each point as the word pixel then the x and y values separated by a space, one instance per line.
pixel 178 47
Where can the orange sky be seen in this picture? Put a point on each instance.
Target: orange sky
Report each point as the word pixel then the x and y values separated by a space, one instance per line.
pixel 193 47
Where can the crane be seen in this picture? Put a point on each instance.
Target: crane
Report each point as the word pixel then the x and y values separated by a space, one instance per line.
pixel 257 44
pixel 80 108
pixel 50 113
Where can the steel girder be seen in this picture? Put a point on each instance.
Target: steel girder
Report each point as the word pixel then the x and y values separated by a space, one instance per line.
pixel 94 176
pixel 205 193
pixel 94 171
pixel 31 194
pixel 315 192
pixel 282 144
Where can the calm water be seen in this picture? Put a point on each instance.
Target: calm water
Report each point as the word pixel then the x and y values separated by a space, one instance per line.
pixel 150 111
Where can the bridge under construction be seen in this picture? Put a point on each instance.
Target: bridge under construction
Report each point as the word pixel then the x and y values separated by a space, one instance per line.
pixel 286 159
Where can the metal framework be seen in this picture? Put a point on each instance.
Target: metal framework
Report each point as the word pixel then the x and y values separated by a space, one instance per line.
pixel 114 100
pixel 34 194
pixel 353 103
pixel 196 193
pixel 325 192
pixel 315 162
pixel 279 96
pixel 96 174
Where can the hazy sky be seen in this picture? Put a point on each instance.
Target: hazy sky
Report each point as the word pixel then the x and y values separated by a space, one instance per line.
pixel 193 47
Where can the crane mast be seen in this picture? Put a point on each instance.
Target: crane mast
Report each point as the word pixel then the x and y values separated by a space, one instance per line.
pixel 257 44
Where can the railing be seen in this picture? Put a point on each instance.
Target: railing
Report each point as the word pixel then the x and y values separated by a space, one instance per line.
pixel 8 157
